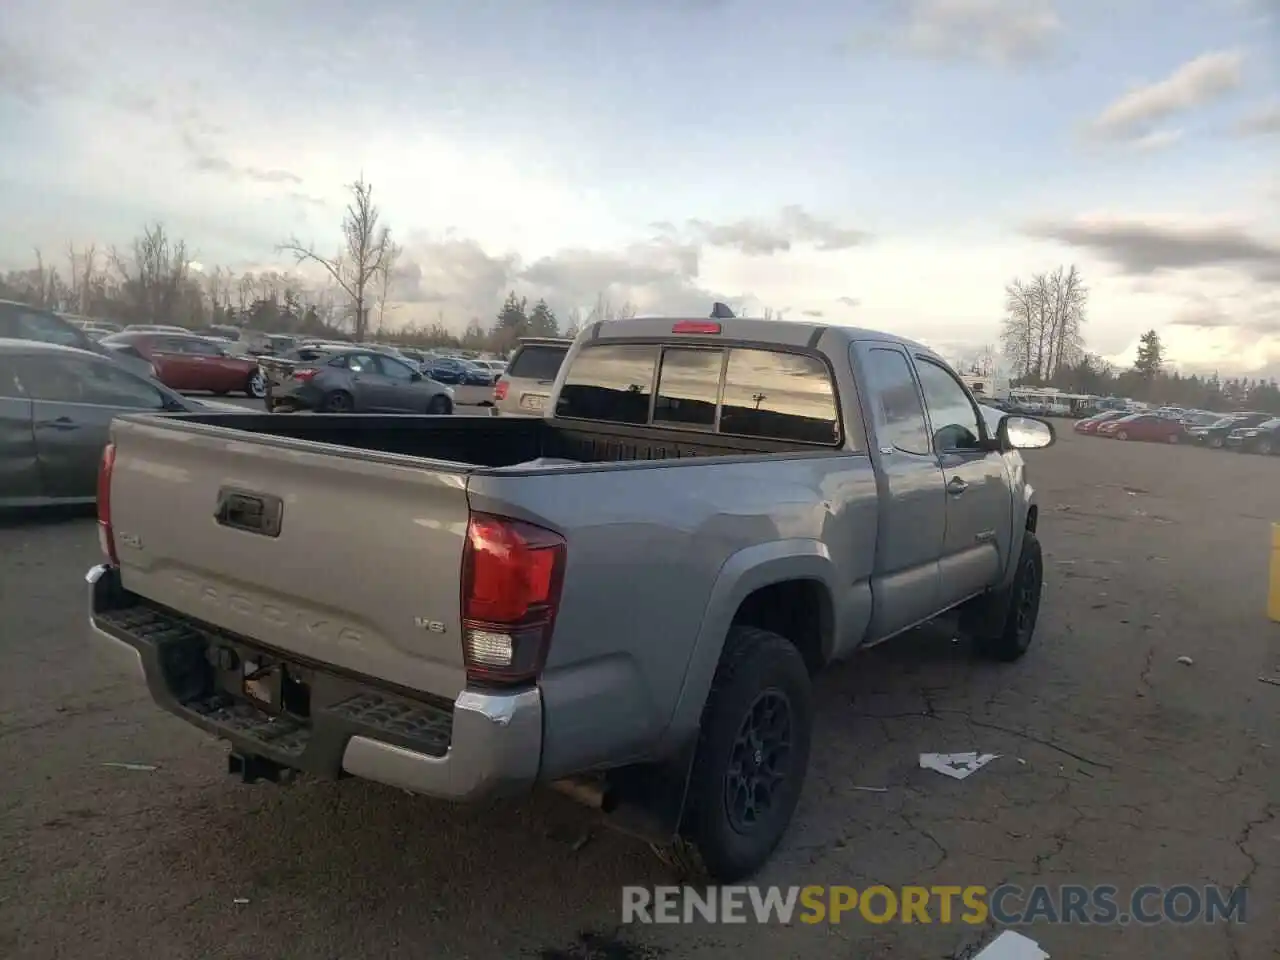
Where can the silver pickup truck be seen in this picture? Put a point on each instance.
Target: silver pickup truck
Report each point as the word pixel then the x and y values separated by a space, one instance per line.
pixel 625 599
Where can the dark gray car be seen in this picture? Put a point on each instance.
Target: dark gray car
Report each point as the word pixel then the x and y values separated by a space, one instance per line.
pixel 22 322
pixel 354 381
pixel 56 405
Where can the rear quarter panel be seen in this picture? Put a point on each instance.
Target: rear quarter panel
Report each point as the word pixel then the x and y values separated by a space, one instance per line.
pixel 659 557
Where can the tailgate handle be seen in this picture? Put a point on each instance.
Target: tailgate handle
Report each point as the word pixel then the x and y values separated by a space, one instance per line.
pixel 257 513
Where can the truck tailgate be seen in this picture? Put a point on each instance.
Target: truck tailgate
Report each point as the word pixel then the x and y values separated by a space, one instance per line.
pixel 361 571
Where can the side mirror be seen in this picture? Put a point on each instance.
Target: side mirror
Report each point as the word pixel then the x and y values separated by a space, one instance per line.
pixel 1025 433
pixel 415 376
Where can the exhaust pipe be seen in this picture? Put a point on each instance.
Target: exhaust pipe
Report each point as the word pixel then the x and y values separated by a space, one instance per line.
pixel 594 793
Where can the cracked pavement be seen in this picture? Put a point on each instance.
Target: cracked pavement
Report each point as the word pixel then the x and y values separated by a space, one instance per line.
pixel 1117 765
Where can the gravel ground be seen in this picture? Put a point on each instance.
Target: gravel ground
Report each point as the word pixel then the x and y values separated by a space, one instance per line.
pixel 1118 765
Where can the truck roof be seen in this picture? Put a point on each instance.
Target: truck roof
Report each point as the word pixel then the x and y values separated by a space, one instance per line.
pixel 786 332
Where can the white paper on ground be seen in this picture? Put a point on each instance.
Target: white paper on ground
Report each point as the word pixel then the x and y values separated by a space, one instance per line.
pixel 1012 946
pixel 956 765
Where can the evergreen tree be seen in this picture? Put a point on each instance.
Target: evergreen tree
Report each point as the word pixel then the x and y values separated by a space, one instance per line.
pixel 513 318
pixel 1150 356
pixel 542 321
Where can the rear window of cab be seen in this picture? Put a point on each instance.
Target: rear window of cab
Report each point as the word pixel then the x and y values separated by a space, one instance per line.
pixel 746 392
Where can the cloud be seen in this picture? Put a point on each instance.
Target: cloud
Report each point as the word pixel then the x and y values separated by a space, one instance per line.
pixel 816 314
pixel 661 276
pixel 453 271
pixel 1142 248
pixel 1005 32
pixel 792 226
pixel 1208 77
pixel 29 77
pixel 1263 122
pixel 1156 140
pixel 1244 311
pixel 849 301
pixel 205 160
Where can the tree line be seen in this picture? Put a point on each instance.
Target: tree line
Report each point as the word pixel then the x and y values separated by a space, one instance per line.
pixel 156 279
pixel 1043 344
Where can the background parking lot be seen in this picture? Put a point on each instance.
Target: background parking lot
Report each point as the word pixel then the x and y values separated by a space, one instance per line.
pixel 1118 765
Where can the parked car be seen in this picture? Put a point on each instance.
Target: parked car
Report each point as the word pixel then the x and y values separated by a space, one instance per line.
pixel 21 322
pixel 525 387
pixel 56 407
pixel 190 363
pixel 1263 438
pixel 1215 435
pixel 625 599
pixel 354 380
pixel 1090 425
pixel 495 367
pixel 96 329
pixel 1150 427
pixel 454 370
pixel 1200 418
pixel 156 328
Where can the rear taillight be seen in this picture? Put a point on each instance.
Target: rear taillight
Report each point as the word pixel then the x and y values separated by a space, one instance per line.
pixel 106 536
pixel 511 577
pixel 304 374
pixel 500 390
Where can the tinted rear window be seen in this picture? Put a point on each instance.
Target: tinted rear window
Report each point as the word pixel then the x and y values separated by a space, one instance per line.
pixel 764 394
pixel 688 387
pixel 536 362
pixel 610 383
pixel 779 396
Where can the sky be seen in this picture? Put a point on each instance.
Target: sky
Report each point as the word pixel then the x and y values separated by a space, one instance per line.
pixel 890 164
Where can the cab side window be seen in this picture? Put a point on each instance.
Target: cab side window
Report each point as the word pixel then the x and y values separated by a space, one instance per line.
pixel 900 415
pixel 951 412
pixel 95 382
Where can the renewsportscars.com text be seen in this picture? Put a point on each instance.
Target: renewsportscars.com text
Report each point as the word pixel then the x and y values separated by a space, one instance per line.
pixel 1007 905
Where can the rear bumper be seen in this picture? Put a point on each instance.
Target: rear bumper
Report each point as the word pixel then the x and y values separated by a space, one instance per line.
pixel 480 745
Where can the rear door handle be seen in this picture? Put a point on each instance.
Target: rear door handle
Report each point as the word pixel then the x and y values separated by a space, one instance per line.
pixel 62 423
pixel 956 486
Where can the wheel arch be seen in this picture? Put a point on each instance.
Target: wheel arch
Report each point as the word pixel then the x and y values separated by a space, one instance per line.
pixel 787 570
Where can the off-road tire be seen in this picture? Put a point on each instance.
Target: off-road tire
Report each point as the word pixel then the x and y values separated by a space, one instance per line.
pixel 758 668
pixel 1003 623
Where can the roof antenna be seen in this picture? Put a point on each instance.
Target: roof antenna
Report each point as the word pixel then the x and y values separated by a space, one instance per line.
pixel 721 311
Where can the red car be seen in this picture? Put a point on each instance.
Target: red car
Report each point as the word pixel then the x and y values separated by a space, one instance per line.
pixel 188 363
pixel 1091 424
pixel 1144 426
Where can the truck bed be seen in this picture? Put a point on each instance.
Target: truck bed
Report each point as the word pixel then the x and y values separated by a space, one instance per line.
pixel 486 442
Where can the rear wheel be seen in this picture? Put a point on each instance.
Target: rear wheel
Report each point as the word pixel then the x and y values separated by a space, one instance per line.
pixel 339 401
pixel 256 386
pixel 439 406
pixel 1264 447
pixel 752 755
pixel 1216 443
pixel 1173 438
pixel 1122 435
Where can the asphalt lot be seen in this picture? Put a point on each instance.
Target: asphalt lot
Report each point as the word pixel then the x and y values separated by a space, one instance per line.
pixel 1118 765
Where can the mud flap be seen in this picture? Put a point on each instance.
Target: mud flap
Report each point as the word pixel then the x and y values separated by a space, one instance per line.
pixel 649 798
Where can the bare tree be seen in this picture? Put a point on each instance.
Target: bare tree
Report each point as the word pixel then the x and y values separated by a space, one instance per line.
pixel 1041 334
pixel 82 268
pixel 573 322
pixel 386 276
pixel 365 246
pixel 984 361
pixel 1019 334
pixel 154 277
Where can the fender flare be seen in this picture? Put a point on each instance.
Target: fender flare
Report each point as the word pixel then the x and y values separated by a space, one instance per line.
pixel 741 575
pixel 1022 507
